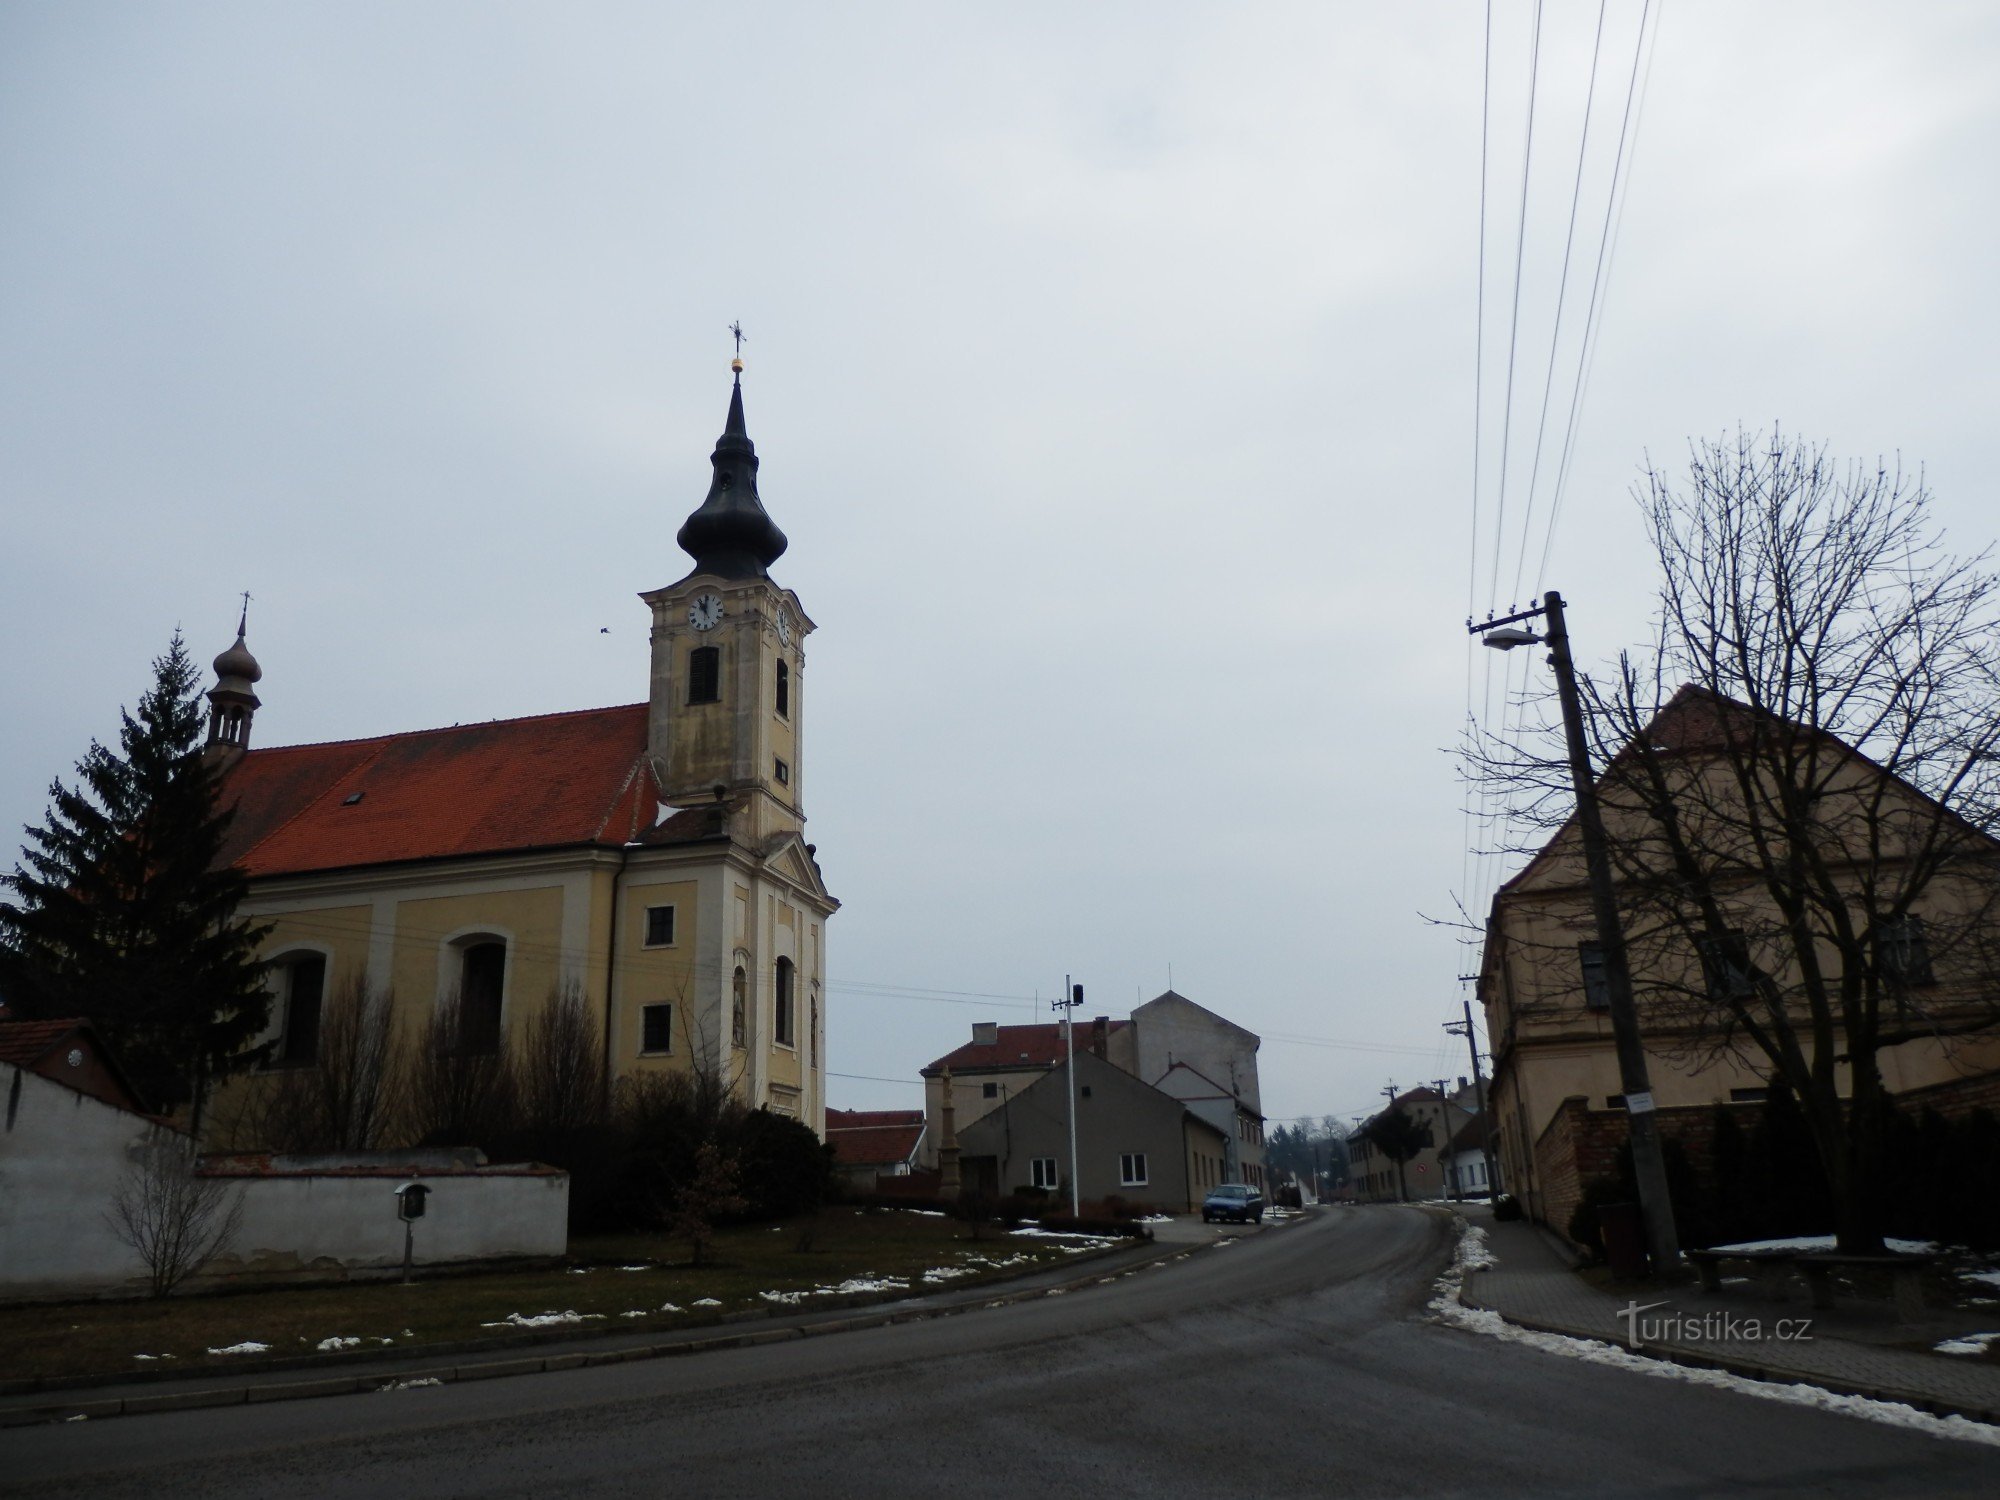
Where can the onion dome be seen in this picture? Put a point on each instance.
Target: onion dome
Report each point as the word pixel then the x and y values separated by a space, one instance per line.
pixel 730 535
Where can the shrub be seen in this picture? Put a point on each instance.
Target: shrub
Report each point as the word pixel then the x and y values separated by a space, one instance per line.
pixel 1506 1208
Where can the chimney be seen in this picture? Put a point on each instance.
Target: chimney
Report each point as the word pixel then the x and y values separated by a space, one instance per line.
pixel 1099 1029
pixel 985 1033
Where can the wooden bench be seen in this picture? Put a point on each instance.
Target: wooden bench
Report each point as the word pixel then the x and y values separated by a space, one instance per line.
pixel 1906 1273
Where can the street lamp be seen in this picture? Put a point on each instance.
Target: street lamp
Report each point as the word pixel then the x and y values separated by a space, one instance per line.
pixel 1648 1163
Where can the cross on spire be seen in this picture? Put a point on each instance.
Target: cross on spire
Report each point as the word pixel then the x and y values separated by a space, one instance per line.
pixel 243 620
pixel 736 331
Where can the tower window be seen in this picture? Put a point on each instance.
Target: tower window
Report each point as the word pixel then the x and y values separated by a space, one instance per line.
pixel 305 995
pixel 656 1027
pixel 737 991
pixel 783 772
pixel 659 926
pixel 482 975
pixel 781 1020
pixel 705 674
pixel 784 690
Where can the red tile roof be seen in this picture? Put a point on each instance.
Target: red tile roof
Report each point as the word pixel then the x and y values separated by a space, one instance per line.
pixel 1038 1045
pixel 25 1043
pixel 553 781
pixel 873 1137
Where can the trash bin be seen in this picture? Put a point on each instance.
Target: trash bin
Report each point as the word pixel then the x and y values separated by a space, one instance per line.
pixel 1624 1234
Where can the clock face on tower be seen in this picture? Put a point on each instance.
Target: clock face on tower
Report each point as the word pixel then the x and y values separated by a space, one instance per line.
pixel 784 627
pixel 705 611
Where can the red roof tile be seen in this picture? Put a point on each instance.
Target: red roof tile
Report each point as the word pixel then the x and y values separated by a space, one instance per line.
pixel 873 1137
pixel 547 782
pixel 25 1043
pixel 1038 1045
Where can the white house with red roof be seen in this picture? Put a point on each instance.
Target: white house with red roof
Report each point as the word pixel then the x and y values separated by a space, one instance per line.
pixel 874 1143
pixel 650 856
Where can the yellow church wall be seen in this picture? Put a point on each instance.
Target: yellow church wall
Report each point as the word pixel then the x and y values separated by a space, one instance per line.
pixel 529 920
pixel 340 932
pixel 646 976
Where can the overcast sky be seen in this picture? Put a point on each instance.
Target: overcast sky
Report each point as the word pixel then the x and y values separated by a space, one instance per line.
pixel 1113 372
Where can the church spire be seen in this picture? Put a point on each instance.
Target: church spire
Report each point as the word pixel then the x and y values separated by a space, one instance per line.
pixel 730 535
pixel 233 701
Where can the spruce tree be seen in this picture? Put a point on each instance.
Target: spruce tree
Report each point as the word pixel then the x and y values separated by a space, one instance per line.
pixel 124 912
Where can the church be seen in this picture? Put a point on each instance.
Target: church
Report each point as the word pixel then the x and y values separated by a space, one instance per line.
pixel 650 857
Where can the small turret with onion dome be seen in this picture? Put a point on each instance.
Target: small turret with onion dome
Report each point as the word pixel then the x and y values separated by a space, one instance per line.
pixel 233 701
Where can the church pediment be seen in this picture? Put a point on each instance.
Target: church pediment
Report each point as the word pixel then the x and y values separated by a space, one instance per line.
pixel 785 855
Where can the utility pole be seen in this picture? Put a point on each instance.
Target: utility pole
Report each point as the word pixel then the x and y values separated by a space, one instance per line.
pixel 1446 1162
pixel 1648 1162
pixel 1072 998
pixel 1479 1098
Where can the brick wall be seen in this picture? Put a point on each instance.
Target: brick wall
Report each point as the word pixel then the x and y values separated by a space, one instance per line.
pixel 1580 1146
pixel 1956 1099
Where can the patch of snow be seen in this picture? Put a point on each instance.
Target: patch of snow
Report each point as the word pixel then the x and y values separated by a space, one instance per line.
pixel 938 1274
pixel 1991 1278
pixel 640 1314
pixel 152 1356
pixel 579 1270
pixel 1156 1219
pixel 1826 1242
pixel 542 1320
pixel 926 1213
pixel 706 1302
pixel 409 1385
pixel 248 1346
pixel 636 1268
pixel 668 1307
pixel 337 1342
pixel 1972 1343
pixel 1473 1255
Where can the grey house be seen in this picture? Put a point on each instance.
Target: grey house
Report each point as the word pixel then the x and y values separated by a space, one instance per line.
pixel 1132 1141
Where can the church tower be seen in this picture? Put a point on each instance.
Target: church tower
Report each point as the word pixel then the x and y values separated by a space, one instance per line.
pixel 727 707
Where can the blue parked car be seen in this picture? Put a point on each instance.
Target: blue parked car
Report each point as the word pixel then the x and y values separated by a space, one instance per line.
pixel 1235 1201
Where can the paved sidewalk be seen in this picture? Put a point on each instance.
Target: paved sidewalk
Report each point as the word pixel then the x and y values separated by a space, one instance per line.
pixel 1844 1350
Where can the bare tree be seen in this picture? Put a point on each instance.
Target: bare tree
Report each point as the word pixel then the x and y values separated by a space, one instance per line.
pixel 561 1070
pixel 708 1194
pixel 344 1098
pixel 175 1218
pixel 462 1081
pixel 1800 781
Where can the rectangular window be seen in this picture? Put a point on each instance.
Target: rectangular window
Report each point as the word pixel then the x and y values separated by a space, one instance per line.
pixel 1042 1173
pixel 989 1091
pixel 705 674
pixel 1725 961
pixel 784 690
pixel 1748 1096
pixel 1132 1169
pixel 781 1010
pixel 656 1027
pixel 1903 953
pixel 659 926
pixel 783 773
pixel 1596 982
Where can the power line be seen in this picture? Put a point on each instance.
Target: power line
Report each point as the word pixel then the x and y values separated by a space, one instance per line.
pixel 1514 325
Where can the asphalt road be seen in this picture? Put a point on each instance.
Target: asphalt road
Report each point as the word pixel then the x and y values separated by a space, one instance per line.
pixel 1293 1362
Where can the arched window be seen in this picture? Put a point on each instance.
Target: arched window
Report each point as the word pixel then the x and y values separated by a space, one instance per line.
pixel 812 1029
pixel 705 674
pixel 784 690
pixel 303 995
pixel 781 1016
pixel 482 975
pixel 737 997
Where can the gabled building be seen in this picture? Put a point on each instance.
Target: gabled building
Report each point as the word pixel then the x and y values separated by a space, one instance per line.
pixel 650 857
pixel 1133 1141
pixel 1556 1095
pixel 1169 1043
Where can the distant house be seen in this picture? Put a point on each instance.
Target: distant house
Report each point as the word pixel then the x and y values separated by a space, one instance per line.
pixel 1133 1141
pixel 1437 1169
pixel 874 1143
pixel 1170 1043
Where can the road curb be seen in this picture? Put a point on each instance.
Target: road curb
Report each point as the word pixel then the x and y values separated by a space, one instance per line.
pixel 696 1343
pixel 1699 1359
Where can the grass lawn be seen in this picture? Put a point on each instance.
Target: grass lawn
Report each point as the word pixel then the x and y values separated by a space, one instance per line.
pixel 630 1281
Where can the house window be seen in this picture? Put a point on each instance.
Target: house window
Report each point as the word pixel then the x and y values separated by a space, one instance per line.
pixel 989 1091
pixel 784 690
pixel 781 1020
pixel 1903 953
pixel 1725 961
pixel 740 984
pixel 705 674
pixel 1748 1096
pixel 656 1027
pixel 1042 1173
pixel 1084 1092
pixel 1132 1169
pixel 305 994
pixel 783 772
pixel 1596 979
pixel 659 926
pixel 482 976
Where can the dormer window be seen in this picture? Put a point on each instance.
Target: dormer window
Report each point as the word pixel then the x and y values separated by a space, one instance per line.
pixel 705 674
